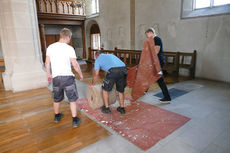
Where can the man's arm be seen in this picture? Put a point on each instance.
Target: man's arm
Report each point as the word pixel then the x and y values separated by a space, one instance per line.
pixel 47 64
pixel 76 67
pixel 157 49
pixel 157 42
pixel 95 76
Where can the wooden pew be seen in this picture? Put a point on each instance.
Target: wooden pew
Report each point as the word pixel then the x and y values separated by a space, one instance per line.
pixel 2 64
pixel 172 63
pixel 129 57
pixel 173 60
pixel 125 55
pixel 2 69
pixel 90 59
pixel 188 61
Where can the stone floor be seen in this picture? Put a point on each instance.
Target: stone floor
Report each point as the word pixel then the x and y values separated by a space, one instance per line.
pixel 207 103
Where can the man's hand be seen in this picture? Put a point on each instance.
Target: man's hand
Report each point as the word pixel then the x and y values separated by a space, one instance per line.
pixel 81 77
pixel 47 63
pixel 90 85
pixel 49 77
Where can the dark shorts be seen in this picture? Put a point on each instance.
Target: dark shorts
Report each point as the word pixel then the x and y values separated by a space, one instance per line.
pixel 116 75
pixel 67 84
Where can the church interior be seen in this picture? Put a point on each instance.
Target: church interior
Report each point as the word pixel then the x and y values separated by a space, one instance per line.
pixel 195 36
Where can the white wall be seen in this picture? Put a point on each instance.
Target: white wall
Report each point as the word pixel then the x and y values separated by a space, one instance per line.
pixel 210 36
pixel 114 24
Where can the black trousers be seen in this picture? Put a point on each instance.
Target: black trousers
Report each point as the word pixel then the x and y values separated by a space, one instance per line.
pixel 163 86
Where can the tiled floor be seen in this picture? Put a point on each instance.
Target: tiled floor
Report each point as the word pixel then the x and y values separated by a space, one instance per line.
pixel 208 131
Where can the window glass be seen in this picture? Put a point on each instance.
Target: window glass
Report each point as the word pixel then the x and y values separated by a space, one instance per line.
pixel 221 2
pixel 202 4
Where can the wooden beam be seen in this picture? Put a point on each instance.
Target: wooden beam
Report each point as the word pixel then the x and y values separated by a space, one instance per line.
pixel 83 39
pixel 60 22
pixel 61 16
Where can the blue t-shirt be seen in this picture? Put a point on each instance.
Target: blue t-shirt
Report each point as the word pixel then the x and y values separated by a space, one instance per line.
pixel 107 61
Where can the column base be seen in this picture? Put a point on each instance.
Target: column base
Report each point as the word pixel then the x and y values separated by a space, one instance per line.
pixel 25 81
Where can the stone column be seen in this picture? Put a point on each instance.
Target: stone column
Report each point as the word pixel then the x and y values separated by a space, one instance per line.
pixel 43 41
pixel 20 42
pixel 132 24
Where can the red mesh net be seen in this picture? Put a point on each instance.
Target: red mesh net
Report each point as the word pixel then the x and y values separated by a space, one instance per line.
pixel 142 76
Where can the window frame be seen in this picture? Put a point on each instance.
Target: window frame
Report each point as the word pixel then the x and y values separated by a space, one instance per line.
pixel 188 10
pixel 95 10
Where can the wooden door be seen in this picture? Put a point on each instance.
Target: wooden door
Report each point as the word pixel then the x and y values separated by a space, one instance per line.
pixel 54 38
pixel 50 39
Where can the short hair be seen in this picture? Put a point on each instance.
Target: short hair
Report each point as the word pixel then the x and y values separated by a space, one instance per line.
pixel 151 29
pixel 98 52
pixel 65 32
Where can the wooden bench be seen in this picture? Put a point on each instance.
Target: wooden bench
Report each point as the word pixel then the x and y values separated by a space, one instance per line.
pixel 174 61
pixel 2 65
pixel 2 68
pixel 129 57
pixel 188 61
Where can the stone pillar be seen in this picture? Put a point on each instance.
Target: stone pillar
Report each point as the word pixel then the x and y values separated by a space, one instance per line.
pixel 132 24
pixel 20 42
pixel 43 41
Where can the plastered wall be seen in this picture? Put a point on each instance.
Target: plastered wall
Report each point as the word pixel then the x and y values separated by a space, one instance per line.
pixel 210 36
pixel 114 23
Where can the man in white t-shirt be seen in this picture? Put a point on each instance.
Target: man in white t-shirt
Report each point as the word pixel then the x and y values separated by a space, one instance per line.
pixel 60 56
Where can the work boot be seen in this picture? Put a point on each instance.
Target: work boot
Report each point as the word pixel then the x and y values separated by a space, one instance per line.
pixel 76 122
pixel 58 117
pixel 105 110
pixel 165 100
pixel 121 110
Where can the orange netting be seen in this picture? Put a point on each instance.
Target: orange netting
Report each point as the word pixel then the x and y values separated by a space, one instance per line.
pixel 142 76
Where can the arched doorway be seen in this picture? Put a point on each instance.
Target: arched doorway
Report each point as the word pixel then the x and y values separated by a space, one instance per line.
pixel 95 37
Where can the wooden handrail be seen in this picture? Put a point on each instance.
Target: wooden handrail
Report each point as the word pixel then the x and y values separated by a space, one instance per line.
pixel 130 57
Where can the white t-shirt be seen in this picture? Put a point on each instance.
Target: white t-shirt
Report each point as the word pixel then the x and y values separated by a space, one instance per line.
pixel 60 54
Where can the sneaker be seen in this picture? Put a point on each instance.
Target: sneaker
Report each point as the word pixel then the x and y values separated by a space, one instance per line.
pixel 165 100
pixel 58 117
pixel 121 110
pixel 76 122
pixel 105 110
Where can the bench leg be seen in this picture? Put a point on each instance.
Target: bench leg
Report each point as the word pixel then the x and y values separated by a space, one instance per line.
pixel 89 66
pixel 176 76
pixel 191 73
